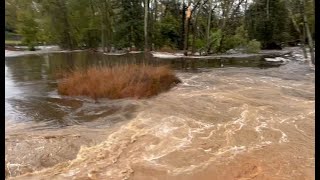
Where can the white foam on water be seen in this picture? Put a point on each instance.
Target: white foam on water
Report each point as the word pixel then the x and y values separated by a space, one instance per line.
pixel 262 125
pixel 284 137
pixel 165 55
pixel 234 150
pixel 71 173
pixel 284 120
pixel 299 129
pixel 277 59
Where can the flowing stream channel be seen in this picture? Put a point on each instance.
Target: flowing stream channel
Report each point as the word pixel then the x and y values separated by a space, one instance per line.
pixel 228 119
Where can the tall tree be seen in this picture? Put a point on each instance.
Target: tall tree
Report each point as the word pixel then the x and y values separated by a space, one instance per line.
pixel 11 15
pixel 294 14
pixel 308 32
pixel 186 29
pixel 298 13
pixel 27 25
pixel 271 32
pixel 188 15
pixel 208 27
pixel 59 22
pixel 146 12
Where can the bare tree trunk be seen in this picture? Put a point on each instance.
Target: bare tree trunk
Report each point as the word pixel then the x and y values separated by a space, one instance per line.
pixel 92 8
pixel 155 10
pixel 208 27
pixel 153 23
pixel 297 28
pixel 194 31
pixel 103 28
pixel 146 7
pixel 194 28
pixel 303 42
pixel 268 7
pixel 245 6
pixel 131 36
pixel 308 33
pixel 186 31
pixel 185 39
pixel 108 23
pixel 67 33
pixel 224 21
pixel 310 41
pixel 103 37
pixel 183 17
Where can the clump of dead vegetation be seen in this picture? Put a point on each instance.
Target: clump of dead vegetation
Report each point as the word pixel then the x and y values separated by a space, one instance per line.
pixel 137 81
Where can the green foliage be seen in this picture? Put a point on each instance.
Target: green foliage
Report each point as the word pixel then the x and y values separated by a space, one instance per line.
pixel 11 36
pixel 28 29
pixel 120 23
pixel 240 39
pixel 10 15
pixel 215 38
pixel 267 30
pixel 45 34
pixel 200 43
pixel 129 24
pixel 169 31
pixel 253 46
pixel 59 23
pixel 86 21
pixel 90 38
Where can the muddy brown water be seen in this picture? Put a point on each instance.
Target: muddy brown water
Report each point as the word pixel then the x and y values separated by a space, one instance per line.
pixel 245 119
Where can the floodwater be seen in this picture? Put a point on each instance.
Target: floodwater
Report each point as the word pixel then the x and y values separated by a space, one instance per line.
pixel 228 119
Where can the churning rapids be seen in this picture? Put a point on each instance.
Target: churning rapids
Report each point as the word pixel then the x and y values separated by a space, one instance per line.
pixel 222 123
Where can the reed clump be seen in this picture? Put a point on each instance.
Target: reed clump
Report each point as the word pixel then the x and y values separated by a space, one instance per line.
pixel 137 81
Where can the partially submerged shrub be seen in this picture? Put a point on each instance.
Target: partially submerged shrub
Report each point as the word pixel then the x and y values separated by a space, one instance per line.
pixel 138 81
pixel 253 46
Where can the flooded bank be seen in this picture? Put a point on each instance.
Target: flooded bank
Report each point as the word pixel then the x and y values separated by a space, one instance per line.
pixel 242 121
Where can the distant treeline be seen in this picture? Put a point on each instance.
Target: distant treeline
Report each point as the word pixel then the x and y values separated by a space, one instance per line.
pixel 209 26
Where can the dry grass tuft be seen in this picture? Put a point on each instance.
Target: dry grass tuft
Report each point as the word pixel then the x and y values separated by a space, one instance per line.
pixel 138 81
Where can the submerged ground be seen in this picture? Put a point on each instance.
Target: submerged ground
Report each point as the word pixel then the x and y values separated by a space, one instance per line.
pixel 219 123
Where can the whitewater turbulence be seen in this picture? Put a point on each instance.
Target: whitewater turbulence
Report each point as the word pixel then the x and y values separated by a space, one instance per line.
pixel 231 123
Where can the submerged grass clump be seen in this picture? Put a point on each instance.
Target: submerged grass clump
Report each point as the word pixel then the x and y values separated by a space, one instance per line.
pixel 137 81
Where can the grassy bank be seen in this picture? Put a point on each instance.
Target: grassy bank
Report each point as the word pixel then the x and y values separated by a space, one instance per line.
pixel 137 81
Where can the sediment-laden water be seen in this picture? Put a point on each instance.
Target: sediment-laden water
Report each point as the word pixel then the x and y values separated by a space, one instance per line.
pixel 219 123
